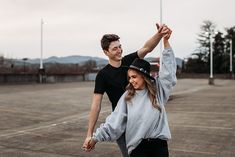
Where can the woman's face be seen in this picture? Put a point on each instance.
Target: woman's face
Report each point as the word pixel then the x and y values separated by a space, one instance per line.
pixel 136 79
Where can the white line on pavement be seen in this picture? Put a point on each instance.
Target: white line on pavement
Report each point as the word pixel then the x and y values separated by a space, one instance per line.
pixel 74 118
pixel 191 151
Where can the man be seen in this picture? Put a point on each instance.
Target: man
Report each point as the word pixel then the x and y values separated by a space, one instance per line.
pixel 112 79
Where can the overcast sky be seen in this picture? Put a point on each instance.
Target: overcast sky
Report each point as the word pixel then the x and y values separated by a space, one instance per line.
pixel 74 27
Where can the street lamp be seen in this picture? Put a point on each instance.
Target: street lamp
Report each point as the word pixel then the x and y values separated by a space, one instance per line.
pixel 211 78
pixel 24 59
pixel 41 69
pixel 161 24
pixel 41 61
pixel 231 59
pixel 161 11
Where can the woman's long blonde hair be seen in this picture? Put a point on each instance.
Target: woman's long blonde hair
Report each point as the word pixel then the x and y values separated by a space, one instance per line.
pixel 151 88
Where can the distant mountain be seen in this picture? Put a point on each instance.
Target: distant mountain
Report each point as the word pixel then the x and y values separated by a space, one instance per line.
pixel 77 59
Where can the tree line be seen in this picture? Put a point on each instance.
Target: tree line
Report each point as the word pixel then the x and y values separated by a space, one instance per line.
pixel 9 66
pixel 199 61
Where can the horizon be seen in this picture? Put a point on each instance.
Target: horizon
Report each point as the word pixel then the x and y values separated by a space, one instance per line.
pixel 74 56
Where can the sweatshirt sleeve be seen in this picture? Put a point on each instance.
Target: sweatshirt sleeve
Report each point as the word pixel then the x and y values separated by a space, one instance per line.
pixel 167 75
pixel 114 125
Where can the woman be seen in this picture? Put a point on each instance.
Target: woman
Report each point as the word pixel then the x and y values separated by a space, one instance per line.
pixel 140 112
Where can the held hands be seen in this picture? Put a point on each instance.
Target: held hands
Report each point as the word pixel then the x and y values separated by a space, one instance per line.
pixel 162 29
pixel 167 35
pixel 89 144
pixel 164 32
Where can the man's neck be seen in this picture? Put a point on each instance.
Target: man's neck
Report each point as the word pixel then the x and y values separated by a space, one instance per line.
pixel 115 64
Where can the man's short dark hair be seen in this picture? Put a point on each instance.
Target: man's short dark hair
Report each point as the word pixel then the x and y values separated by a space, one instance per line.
pixel 107 39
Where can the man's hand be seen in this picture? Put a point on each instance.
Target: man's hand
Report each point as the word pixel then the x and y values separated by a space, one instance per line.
pixel 162 29
pixel 168 35
pixel 85 146
pixel 150 44
pixel 89 144
pixel 92 143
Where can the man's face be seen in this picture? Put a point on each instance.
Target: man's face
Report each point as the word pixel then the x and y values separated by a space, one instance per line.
pixel 115 51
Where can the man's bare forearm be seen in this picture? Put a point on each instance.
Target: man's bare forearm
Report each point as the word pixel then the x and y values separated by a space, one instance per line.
pixel 94 113
pixel 93 117
pixel 152 42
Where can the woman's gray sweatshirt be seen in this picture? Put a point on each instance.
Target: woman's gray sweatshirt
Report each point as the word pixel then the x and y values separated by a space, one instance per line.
pixel 138 118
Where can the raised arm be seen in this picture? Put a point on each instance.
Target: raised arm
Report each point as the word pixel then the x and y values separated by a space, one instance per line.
pixel 153 41
pixel 167 74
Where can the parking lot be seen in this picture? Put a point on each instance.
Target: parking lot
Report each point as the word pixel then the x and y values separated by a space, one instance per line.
pixel 50 120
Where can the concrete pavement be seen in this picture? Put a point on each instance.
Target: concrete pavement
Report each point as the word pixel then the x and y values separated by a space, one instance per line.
pixel 50 120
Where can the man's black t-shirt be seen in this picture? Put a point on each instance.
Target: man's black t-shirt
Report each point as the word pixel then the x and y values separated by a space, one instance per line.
pixel 113 80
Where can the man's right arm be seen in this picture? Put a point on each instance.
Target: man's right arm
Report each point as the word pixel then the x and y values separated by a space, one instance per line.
pixel 93 116
pixel 94 113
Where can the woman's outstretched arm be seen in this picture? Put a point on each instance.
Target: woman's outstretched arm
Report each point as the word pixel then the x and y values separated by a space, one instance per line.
pixel 167 73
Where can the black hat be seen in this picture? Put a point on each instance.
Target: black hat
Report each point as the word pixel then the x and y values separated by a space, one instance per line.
pixel 142 66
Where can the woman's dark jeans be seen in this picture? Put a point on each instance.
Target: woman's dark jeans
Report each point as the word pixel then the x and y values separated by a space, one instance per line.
pixel 151 148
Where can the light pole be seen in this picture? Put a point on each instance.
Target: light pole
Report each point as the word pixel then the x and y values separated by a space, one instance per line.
pixel 24 59
pixel 41 69
pixel 161 11
pixel 211 78
pixel 161 24
pixel 231 59
pixel 41 61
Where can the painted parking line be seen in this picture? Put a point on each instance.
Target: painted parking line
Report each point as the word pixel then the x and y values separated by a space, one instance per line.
pixel 68 120
pixel 202 127
pixel 193 151
pixel 202 112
